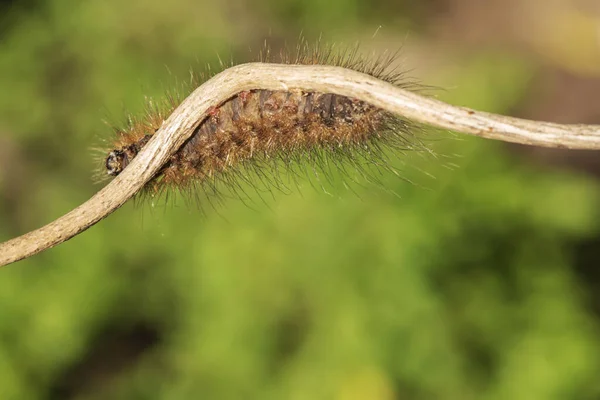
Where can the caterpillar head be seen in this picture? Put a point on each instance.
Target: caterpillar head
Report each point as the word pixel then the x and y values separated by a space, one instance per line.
pixel 116 161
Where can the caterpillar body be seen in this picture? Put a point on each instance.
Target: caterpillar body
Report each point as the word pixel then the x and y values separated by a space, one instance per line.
pixel 254 130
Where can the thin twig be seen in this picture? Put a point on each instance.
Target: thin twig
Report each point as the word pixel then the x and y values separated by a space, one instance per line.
pixel 181 124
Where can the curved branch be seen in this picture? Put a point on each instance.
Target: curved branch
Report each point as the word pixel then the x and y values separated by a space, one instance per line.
pixel 182 123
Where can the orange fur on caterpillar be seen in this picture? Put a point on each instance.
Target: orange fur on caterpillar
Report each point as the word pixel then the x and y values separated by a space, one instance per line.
pixel 255 130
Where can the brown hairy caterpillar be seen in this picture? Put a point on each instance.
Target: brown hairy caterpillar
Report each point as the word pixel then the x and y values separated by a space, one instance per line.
pixel 257 132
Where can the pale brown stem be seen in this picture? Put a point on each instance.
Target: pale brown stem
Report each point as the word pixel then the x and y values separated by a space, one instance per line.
pixel 181 124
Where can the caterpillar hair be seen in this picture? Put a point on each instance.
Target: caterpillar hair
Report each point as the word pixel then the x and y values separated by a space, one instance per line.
pixel 263 135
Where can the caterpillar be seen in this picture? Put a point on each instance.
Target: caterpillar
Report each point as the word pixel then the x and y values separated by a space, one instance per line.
pixel 258 131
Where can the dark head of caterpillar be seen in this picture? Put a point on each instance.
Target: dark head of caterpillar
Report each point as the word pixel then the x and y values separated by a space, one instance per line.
pixel 116 161
pixel 119 158
pixel 256 130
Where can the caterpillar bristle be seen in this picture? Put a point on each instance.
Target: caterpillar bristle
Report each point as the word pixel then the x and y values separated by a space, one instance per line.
pixel 273 140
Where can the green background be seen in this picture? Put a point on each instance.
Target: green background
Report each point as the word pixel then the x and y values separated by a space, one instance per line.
pixel 476 281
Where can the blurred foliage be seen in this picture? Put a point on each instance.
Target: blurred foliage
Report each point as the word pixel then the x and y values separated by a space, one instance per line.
pixel 460 287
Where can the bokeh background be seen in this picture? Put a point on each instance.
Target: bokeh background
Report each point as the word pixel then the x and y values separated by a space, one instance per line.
pixel 478 280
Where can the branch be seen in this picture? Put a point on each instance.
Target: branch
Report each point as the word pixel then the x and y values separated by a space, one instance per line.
pixel 182 123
